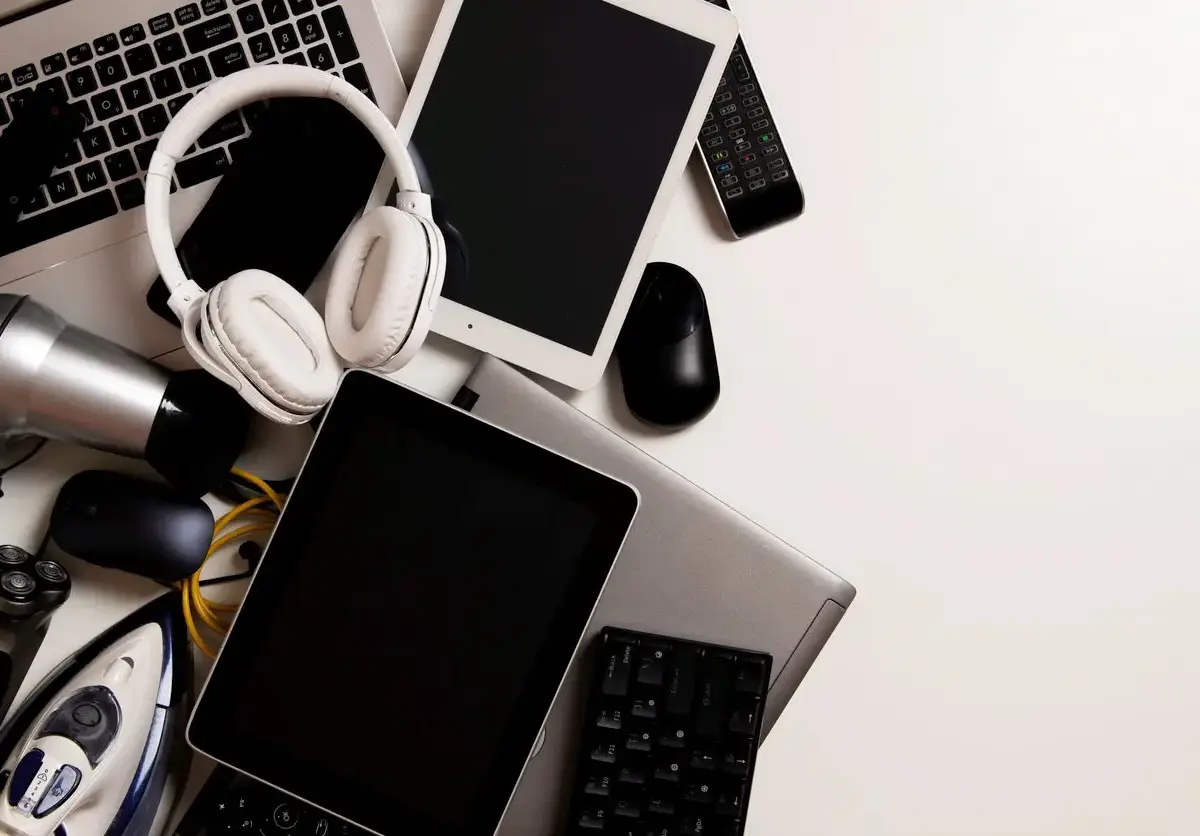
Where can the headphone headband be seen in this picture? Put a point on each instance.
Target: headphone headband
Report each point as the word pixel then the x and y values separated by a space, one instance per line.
pixel 223 97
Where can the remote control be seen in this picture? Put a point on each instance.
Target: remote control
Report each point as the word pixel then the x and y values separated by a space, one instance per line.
pixel 755 181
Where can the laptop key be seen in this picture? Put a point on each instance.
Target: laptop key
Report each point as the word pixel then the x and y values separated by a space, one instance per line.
pixel 77 55
pixel 357 75
pixel 120 165
pixel 160 24
pixel 62 187
pixel 56 221
pixel 136 93
pixel 339 35
pixel 111 70
pixel 55 63
pixel 107 105
pixel 321 57
pixel 300 7
pixel 195 71
pixel 176 104
pixel 228 60
pixel 187 14
pixel 144 152
pixel 169 48
pixel 124 131
pixel 210 33
pixel 133 34
pixel 260 48
pixel 131 193
pixel 202 167
pixel 211 7
pixel 275 10
pixel 153 120
pixel 166 83
pixel 140 59
pixel 285 38
pixel 251 18
pixel 229 126
pixel 91 176
pixel 106 44
pixel 310 29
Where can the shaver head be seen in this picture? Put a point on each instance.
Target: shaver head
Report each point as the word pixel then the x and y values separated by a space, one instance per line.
pixel 30 586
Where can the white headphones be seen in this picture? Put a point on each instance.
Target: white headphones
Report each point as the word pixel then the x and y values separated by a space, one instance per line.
pixel 259 334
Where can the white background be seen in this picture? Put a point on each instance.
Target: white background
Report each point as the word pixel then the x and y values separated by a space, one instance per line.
pixel 966 380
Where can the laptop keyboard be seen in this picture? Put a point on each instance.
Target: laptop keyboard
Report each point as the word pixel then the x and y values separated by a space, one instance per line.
pixel 131 82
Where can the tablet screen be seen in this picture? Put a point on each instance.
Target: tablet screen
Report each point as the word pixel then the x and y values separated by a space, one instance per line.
pixel 546 132
pixel 412 616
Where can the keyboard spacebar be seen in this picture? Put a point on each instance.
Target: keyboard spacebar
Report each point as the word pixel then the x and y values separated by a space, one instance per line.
pixel 41 227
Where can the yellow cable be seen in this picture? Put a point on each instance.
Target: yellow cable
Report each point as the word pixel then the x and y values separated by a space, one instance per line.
pixel 198 608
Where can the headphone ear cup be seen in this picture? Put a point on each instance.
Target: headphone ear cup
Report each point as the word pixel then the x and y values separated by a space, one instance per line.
pixel 376 286
pixel 271 335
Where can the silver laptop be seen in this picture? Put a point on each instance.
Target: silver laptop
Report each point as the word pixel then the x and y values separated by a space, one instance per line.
pixel 691 567
pixel 80 246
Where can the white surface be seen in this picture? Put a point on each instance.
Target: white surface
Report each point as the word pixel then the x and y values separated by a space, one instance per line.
pixel 522 347
pixel 966 380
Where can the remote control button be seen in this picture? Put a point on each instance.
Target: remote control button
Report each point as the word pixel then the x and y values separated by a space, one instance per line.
pixel 723 97
pixel 723 167
pixel 746 159
pixel 727 110
pixel 708 117
pixel 285 816
pixel 760 124
pixel 714 142
pixel 757 184
pixel 763 139
pixel 774 164
pixel 709 130
pixel 751 101
pixel 753 172
pixel 781 175
pixel 741 71
pixel 757 112
pixel 729 181
pixel 747 88
pixel 742 147
pixel 733 121
pixel 770 149
pixel 738 134
pixel 717 156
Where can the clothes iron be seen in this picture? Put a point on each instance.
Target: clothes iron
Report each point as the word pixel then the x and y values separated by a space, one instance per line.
pixel 97 749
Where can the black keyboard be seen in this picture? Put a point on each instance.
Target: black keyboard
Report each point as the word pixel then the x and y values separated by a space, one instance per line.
pixel 230 804
pixel 131 82
pixel 670 738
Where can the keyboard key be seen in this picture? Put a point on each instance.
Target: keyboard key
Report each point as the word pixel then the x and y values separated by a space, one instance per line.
pixel 140 59
pixel 713 694
pixel 4 117
pixel 703 761
pixel 202 167
pixel 604 753
pixel 275 11
pixel 136 93
pixel 25 74
pixel 106 44
pixel 681 674
pixel 79 54
pixel 56 88
pixel 609 719
pixel 700 794
pixel 46 225
pixel 675 737
pixel 211 7
pixel 227 60
pixel 143 153
pixel 593 820
pixel 627 808
pixel 124 131
pixel 598 786
pixel 55 63
pixel 120 165
pixel 37 201
pixel 111 70
pixel 95 142
pixel 300 7
pixel 62 187
pixel 131 193
pixel 165 83
pixel 176 104
pixel 106 105
pixel 187 14
pixel 321 57
pixel 71 156
pixel 645 709
pixel 285 38
pixel 210 33
pixel 261 49
pixel 195 71
pixel 133 34
pixel 736 763
pixel 160 24
pixel 5 82
pixel 357 75
pixel 251 19
pixel 169 48
pixel 751 675
pixel 296 58
pixel 310 29
pixel 339 35
pixel 82 82
pixel 153 120
pixel 631 775
pixel 91 176
pixel 229 126
pixel 617 667
pixel 669 771
pixel 17 100
pixel 638 742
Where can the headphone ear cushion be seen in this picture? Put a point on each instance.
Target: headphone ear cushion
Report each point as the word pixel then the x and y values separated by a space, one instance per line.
pixel 375 286
pixel 272 335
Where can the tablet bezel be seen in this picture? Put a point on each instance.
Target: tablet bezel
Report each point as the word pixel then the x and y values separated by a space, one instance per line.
pixel 361 392
pixel 479 330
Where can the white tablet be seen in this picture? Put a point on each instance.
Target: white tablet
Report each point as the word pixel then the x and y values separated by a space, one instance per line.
pixel 553 134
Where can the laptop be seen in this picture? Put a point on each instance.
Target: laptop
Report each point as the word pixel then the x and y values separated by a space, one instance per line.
pixel 134 64
pixel 692 567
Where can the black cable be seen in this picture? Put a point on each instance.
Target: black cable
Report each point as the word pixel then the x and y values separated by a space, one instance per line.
pixel 37 447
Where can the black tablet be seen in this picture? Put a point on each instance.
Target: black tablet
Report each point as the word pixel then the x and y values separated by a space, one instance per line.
pixel 413 616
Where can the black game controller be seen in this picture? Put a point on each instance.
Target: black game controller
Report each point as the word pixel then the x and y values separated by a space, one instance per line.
pixel 31 590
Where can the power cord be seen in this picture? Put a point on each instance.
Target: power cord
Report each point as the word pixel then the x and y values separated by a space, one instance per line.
pixel 197 608
pixel 4 471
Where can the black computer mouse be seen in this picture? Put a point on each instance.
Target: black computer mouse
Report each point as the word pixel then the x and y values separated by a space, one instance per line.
pixel 665 351
pixel 122 522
